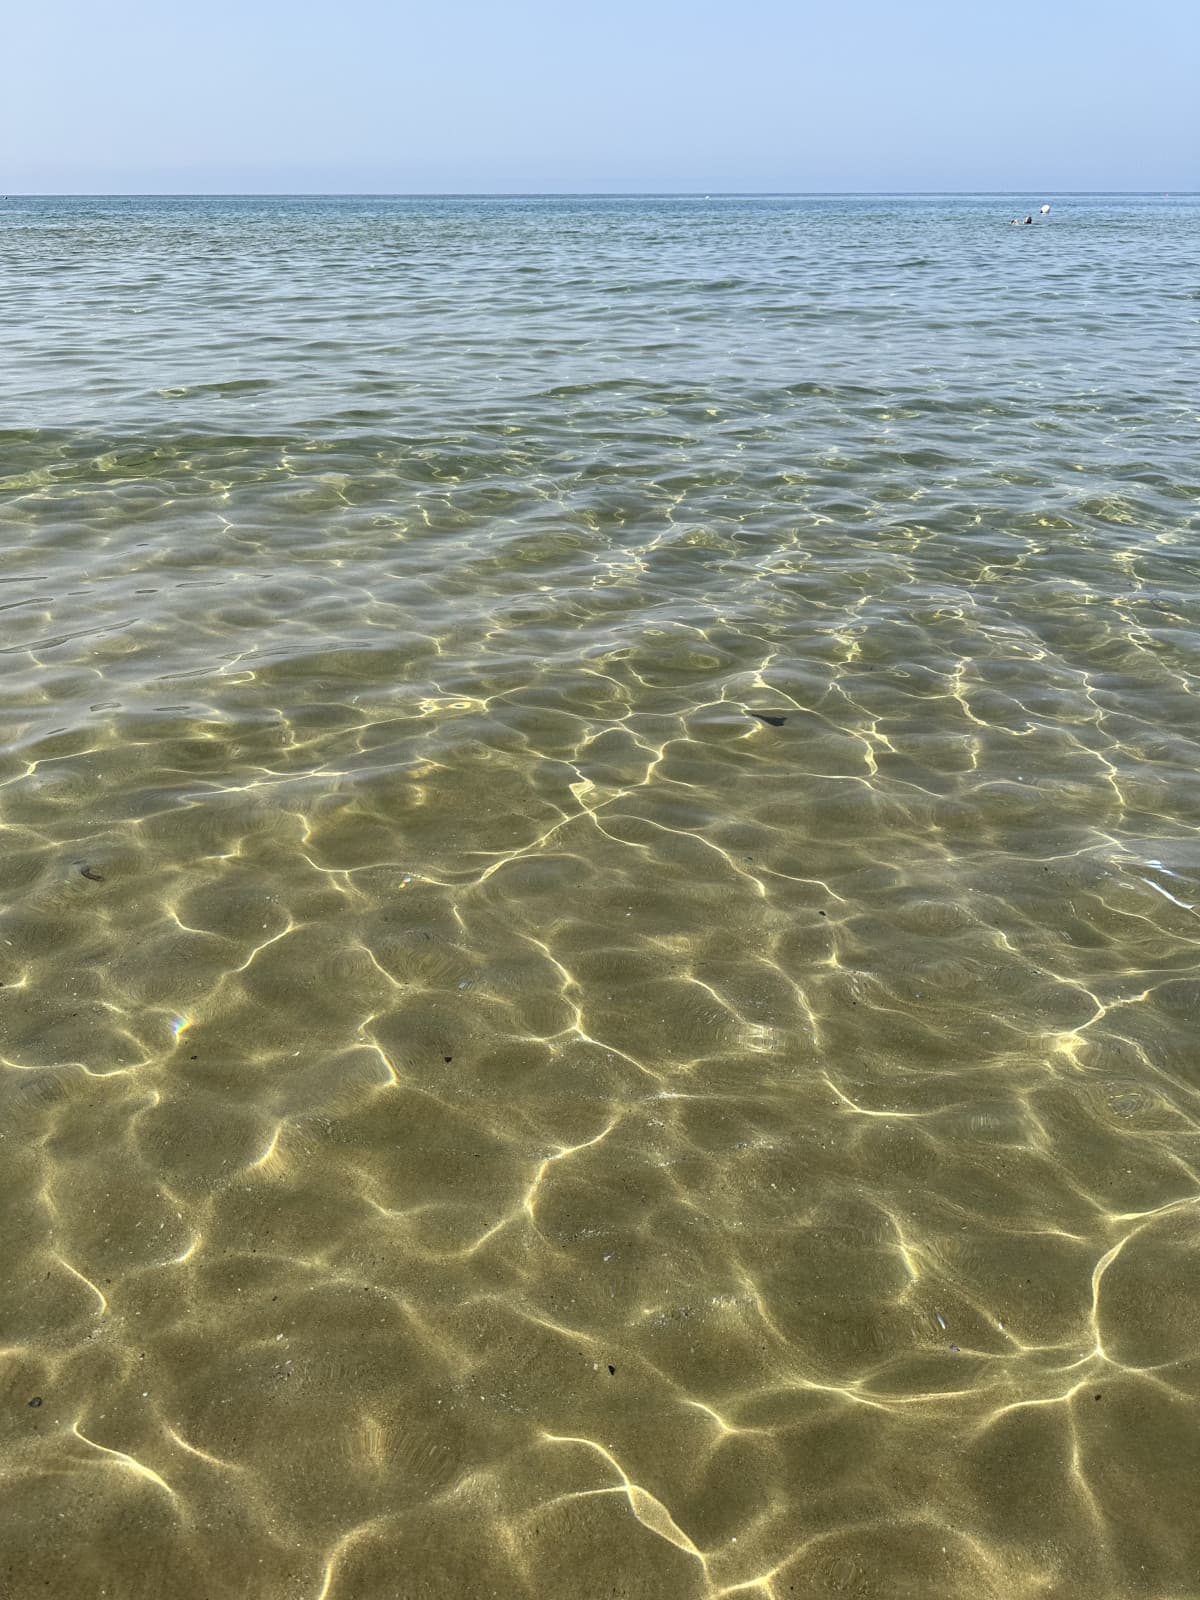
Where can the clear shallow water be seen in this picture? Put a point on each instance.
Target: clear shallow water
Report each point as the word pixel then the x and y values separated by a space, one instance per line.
pixel 481 1112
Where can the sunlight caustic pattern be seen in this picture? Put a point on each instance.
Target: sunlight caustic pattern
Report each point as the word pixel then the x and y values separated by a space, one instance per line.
pixel 599 937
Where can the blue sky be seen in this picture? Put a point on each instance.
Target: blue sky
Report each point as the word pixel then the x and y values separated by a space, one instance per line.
pixel 258 95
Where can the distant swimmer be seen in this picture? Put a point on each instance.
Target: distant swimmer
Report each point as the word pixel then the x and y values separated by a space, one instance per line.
pixel 1028 223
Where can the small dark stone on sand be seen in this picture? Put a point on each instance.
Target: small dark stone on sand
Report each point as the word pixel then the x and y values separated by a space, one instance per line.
pixel 765 716
pixel 91 874
pixel 37 1400
pixel 613 1371
pixel 447 1059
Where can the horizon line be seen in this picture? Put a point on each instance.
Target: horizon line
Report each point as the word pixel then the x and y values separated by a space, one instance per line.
pixel 566 194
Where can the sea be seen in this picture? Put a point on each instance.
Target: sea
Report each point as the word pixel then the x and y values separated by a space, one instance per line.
pixel 599 898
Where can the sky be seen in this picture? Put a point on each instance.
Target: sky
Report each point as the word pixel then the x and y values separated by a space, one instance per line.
pixel 541 96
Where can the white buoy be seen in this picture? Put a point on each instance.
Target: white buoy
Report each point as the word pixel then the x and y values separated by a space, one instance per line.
pixel 1045 210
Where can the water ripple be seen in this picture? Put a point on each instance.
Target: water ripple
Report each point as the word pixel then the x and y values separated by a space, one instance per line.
pixel 597 958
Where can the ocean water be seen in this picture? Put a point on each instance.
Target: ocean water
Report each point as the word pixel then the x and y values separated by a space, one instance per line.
pixel 599 899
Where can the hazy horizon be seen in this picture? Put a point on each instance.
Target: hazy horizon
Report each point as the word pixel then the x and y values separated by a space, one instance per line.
pixel 588 194
pixel 655 99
